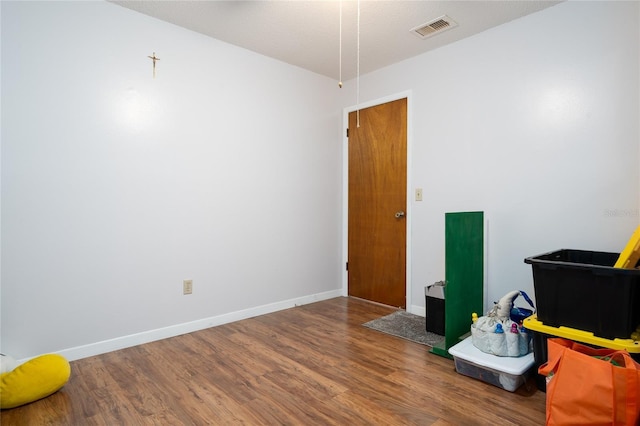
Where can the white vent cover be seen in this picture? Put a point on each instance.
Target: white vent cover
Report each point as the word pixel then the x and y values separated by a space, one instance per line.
pixel 434 27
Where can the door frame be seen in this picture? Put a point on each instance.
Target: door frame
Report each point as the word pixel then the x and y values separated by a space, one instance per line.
pixel 345 189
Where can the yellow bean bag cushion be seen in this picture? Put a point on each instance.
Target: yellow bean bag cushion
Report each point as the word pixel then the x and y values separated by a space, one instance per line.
pixel 33 380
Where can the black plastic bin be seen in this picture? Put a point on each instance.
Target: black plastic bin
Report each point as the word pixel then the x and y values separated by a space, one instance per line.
pixel 540 356
pixel 581 289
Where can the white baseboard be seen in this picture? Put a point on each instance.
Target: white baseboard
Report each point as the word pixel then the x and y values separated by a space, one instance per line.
pixel 418 310
pixel 105 346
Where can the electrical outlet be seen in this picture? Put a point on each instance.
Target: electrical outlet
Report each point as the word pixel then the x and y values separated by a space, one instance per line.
pixel 418 194
pixel 187 286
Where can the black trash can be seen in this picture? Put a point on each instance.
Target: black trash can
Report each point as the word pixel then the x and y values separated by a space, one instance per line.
pixel 434 301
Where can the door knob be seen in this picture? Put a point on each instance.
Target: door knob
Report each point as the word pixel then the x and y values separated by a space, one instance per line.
pixel 399 215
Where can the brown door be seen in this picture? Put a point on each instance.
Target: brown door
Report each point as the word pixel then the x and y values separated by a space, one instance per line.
pixel 377 203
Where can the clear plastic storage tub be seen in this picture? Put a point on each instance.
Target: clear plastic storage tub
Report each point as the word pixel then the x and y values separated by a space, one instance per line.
pixel 508 373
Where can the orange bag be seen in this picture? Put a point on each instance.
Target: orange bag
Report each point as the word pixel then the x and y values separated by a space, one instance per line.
pixel 583 389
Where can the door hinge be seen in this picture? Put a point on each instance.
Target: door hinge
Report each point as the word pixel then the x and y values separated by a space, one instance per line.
pixel 347 132
pixel 347 266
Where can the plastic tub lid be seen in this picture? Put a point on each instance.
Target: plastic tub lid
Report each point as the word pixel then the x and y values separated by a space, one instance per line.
pixel 582 336
pixel 515 366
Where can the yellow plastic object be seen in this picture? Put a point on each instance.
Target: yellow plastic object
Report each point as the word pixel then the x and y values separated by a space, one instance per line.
pixel 631 254
pixel 532 323
pixel 33 380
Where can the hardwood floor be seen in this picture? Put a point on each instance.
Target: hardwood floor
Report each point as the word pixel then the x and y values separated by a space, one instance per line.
pixel 313 365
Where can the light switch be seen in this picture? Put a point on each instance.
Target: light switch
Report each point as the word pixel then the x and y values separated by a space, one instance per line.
pixel 418 194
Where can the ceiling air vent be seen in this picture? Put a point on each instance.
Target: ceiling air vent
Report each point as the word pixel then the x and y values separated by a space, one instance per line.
pixel 433 27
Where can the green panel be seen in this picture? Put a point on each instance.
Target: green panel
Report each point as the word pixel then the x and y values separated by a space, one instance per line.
pixel 464 274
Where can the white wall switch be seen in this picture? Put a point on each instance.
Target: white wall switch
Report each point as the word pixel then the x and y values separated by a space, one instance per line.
pixel 187 287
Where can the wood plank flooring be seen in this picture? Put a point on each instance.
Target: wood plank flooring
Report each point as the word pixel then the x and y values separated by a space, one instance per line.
pixel 310 365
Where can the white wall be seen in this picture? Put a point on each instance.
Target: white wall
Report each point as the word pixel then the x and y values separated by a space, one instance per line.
pixel 225 169
pixel 534 122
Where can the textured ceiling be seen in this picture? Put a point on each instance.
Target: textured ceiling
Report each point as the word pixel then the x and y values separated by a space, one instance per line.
pixel 307 33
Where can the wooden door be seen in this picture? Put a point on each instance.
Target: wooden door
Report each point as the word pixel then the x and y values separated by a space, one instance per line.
pixel 377 203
